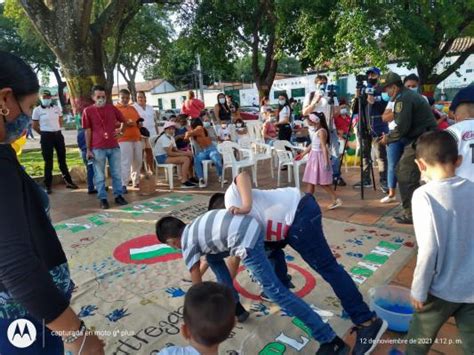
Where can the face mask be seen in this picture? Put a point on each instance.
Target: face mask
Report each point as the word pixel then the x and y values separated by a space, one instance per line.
pixel 372 81
pixel 281 102
pixel 414 89
pixel 222 101
pixel 322 86
pixel 100 102
pixel 344 111
pixel 16 128
pixel 206 124
pixel 385 96
pixel 238 125
pixel 439 107
pixel 178 125
pixel 45 102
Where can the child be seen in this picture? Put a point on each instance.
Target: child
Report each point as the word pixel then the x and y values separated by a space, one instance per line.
pixel 443 281
pixel 220 232
pixel 208 319
pixel 295 220
pixel 318 169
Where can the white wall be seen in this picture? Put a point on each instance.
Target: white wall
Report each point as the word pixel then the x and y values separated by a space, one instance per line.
pixel 210 98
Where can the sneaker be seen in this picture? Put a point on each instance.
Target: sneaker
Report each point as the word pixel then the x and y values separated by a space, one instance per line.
pixel 368 336
pixel 335 204
pixel 388 199
pixel 104 204
pixel 119 200
pixel 49 191
pixel 264 297
pixel 124 190
pixel 290 285
pixel 367 184
pixel 92 192
pixel 335 347
pixel 403 219
pixel 340 182
pixel 71 185
pixel 194 180
pixel 241 314
pixel 187 185
pixel 384 189
pixel 202 184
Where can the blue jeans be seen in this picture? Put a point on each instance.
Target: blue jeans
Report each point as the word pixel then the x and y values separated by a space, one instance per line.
pixel 53 345
pixel 90 171
pixel 219 268
pixel 276 256
pixel 206 154
pixel 394 153
pixel 306 236
pixel 113 156
pixel 334 151
pixel 262 271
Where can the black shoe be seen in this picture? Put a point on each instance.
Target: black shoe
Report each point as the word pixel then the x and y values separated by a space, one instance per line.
pixel 367 184
pixel 119 200
pixel 194 180
pixel 341 182
pixel 403 219
pixel 335 347
pixel 49 191
pixel 104 204
pixel 367 337
pixel 241 313
pixel 92 192
pixel 107 188
pixel 290 285
pixel 124 190
pixel 71 185
pixel 188 185
pixel 264 297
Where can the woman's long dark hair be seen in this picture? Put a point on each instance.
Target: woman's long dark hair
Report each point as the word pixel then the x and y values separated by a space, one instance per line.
pixel 262 101
pixel 17 75
pixel 324 124
pixel 196 122
pixel 224 104
pixel 287 103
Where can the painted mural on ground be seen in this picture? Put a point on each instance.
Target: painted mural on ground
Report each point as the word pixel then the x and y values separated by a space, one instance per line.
pixel 130 288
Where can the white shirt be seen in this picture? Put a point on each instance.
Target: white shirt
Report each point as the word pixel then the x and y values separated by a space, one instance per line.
pixel 322 106
pixel 392 124
pixel 284 113
pixel 162 144
pixel 48 118
pixel 463 132
pixel 179 350
pixel 148 114
pixel 274 209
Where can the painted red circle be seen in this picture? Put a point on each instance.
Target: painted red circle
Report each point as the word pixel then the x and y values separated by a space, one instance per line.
pixel 310 283
pixel 122 252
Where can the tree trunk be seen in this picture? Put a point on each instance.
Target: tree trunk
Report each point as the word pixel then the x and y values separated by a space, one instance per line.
pixel 61 84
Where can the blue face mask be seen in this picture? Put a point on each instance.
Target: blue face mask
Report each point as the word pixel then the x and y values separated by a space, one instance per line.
pixel 385 97
pixel 322 86
pixel 439 107
pixel 414 89
pixel 16 128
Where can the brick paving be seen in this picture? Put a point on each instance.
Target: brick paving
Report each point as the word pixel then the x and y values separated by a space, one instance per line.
pixel 68 204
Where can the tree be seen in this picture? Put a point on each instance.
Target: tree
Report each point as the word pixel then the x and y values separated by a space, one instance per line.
pixel 76 31
pixel 236 27
pixel 359 33
pixel 286 65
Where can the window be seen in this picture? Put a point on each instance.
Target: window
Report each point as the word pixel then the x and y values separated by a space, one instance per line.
pixel 468 70
pixel 160 104
pixel 300 92
pixel 173 103
pixel 277 93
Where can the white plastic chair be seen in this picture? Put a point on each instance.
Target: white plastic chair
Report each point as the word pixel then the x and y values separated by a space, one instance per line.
pixel 227 150
pixel 168 168
pixel 261 151
pixel 286 158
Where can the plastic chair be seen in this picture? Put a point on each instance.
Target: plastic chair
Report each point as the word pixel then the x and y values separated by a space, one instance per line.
pixel 168 168
pixel 286 158
pixel 227 150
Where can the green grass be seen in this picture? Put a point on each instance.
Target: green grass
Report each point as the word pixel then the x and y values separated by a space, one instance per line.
pixel 34 163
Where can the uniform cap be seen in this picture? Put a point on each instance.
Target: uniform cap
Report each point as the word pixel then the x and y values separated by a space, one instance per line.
pixel 389 79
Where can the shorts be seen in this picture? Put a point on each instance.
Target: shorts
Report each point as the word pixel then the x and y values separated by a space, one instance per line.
pixel 161 159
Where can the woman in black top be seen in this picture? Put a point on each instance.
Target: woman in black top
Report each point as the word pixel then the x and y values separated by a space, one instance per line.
pixel 222 111
pixel 283 118
pixel 35 283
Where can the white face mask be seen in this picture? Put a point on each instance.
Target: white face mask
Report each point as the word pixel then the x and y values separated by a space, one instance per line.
pixel 238 125
pixel 100 102
pixel 46 102
pixel 222 101
pixel 281 102
pixel 206 124
pixel 344 111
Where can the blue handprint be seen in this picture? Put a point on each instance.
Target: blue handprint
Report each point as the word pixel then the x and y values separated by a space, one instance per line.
pixel 117 314
pixel 260 308
pixel 87 311
pixel 289 257
pixel 175 292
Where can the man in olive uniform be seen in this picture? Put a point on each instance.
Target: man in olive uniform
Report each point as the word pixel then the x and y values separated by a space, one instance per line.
pixel 413 117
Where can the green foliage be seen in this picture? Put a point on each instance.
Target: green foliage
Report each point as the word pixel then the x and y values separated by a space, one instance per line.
pixel 34 163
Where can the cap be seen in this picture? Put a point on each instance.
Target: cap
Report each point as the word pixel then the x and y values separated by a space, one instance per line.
pixel 464 95
pixel 315 116
pixel 373 70
pixel 389 79
pixel 169 124
pixel 46 93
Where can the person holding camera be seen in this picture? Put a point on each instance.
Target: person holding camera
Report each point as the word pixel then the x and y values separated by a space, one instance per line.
pixel 413 117
pixel 377 128
pixel 323 100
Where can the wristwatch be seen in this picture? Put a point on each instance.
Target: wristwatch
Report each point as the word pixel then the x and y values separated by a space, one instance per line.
pixel 75 334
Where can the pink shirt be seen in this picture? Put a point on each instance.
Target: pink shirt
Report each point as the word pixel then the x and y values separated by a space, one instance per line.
pixel 103 121
pixel 192 107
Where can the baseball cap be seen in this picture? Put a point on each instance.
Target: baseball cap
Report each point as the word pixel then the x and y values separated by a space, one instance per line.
pixel 373 70
pixel 169 124
pixel 464 95
pixel 389 79
pixel 46 93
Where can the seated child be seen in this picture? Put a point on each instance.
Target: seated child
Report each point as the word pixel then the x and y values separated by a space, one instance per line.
pixel 443 218
pixel 220 232
pixel 209 317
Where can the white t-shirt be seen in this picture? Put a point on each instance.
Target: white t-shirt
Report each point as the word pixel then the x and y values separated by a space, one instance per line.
pixel 284 113
pixel 162 143
pixel 392 124
pixel 274 209
pixel 463 132
pixel 179 350
pixel 148 114
pixel 322 106
pixel 48 118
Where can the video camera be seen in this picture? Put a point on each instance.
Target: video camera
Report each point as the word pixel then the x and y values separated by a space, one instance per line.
pixel 360 85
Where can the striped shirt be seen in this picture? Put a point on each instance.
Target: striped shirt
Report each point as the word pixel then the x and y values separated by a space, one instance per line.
pixel 219 231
